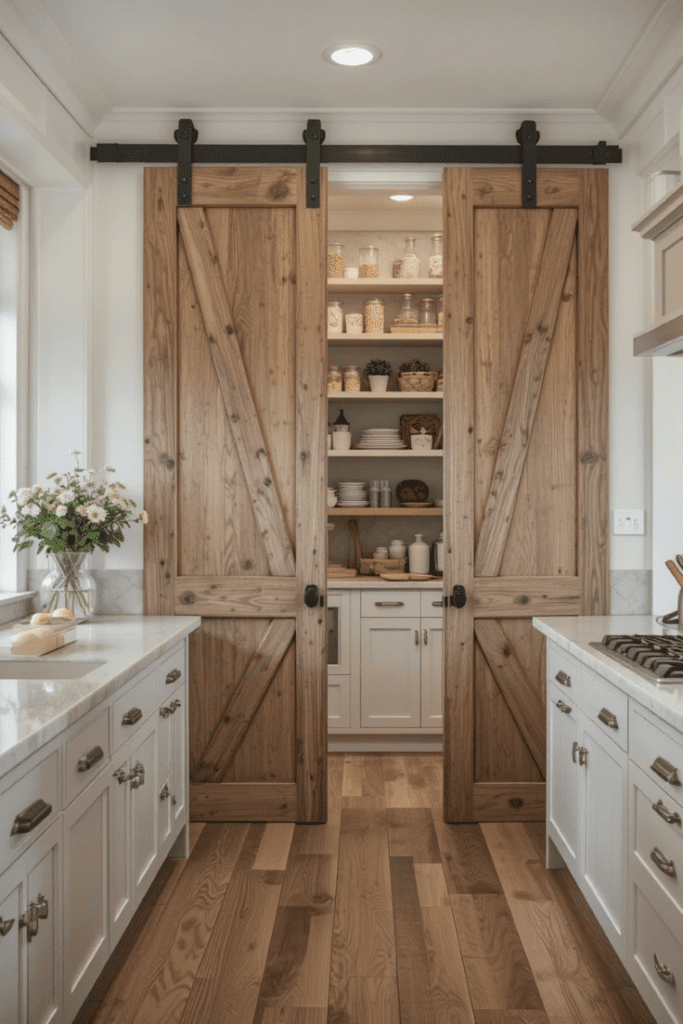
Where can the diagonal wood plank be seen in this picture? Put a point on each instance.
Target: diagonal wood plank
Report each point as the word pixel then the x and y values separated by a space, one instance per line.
pixel 526 392
pixel 520 696
pixel 234 385
pixel 244 701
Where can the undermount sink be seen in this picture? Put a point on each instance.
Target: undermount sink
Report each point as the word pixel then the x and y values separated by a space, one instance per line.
pixel 25 668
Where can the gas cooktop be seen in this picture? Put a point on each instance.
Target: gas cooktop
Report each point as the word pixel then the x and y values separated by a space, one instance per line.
pixel 657 658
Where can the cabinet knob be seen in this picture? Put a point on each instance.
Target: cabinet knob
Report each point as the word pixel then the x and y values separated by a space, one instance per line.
pixel 583 755
pixel 663 812
pixel 563 679
pixel 88 760
pixel 37 910
pixel 663 971
pixel 575 747
pixel 173 675
pixel 426 637
pixel 666 866
pixel 174 705
pixel 137 776
pixel 564 708
pixel 5 926
pixel 165 793
pixel 165 712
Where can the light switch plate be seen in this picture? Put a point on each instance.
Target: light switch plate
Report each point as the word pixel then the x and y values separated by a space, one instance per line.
pixel 629 520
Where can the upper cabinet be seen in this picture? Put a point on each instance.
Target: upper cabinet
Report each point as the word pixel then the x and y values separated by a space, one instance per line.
pixel 663 224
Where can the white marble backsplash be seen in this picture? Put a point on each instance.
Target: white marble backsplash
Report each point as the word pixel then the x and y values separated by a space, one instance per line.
pixel 630 591
pixel 119 591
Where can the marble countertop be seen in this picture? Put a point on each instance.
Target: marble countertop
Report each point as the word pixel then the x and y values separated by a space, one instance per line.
pixel 32 712
pixel 574 634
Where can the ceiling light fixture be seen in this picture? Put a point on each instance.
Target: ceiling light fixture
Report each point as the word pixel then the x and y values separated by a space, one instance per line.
pixel 352 56
pixel 401 199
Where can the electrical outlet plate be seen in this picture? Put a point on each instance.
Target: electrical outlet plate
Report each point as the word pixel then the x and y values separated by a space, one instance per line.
pixel 629 521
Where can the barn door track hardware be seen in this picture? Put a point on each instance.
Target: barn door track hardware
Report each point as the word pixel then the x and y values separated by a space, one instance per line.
pixel 186 151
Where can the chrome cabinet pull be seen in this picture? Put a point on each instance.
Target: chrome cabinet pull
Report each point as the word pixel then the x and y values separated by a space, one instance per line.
pixel 388 604
pixel 575 747
pixel 131 717
pixel 30 817
pixel 663 812
pixel 663 971
pixel 173 675
pixel 417 637
pixel 137 776
pixel 583 755
pixel 667 866
pixel 6 926
pixel 88 760
pixel 174 705
pixel 37 911
pixel 437 604
pixel 165 793
pixel 425 637
pixel 564 679
pixel 564 708
pixel 121 775
pixel 165 712
pixel 608 718
pixel 665 771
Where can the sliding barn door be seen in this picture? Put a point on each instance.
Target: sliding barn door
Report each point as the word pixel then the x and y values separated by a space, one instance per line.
pixel 526 475
pixel 235 478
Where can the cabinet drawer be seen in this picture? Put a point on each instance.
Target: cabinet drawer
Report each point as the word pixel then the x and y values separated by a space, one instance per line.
pixel 85 755
pixel 604 704
pixel 431 603
pixel 144 698
pixel 651 746
pixel 564 670
pixel 657 843
pixel 339 702
pixel 171 671
pixel 659 954
pixel 42 783
pixel 558 693
pixel 389 604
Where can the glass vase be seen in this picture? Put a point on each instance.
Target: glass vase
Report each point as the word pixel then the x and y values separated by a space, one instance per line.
pixel 68 585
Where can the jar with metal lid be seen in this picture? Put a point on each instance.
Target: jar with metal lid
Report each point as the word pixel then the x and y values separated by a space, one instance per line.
pixel 374 316
pixel 427 310
pixel 334 378
pixel 369 261
pixel 436 257
pixel 335 317
pixel 352 378
pixel 408 313
pixel 408 265
pixel 439 311
pixel 335 259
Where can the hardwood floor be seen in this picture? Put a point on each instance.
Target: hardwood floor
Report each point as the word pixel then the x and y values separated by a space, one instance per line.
pixel 384 915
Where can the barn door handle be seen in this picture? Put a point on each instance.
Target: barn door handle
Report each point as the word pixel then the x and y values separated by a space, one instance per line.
pixel 459 597
pixel 312 596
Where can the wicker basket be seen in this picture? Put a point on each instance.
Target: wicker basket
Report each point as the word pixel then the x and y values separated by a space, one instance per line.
pixel 374 566
pixel 423 380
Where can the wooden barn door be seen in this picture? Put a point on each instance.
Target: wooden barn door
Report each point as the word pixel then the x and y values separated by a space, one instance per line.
pixel 235 477
pixel 525 358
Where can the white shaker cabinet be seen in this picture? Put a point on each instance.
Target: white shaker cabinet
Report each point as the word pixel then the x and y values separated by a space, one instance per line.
pixel 390 672
pixel 563 791
pixel 431 673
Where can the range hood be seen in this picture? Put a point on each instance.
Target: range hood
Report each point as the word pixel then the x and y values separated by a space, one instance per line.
pixel 663 224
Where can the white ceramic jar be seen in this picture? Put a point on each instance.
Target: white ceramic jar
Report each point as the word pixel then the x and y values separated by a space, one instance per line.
pixel 418 556
pixel 397 549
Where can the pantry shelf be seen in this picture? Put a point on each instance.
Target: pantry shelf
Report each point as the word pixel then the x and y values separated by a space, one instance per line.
pixel 375 285
pixel 385 396
pixel 384 453
pixel 366 340
pixel 384 512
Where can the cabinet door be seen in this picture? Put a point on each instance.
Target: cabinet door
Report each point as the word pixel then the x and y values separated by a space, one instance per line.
pixel 338 636
pixel 44 921
pixel 604 830
pixel 12 1001
pixel 432 673
pixel 121 896
pixel 86 891
pixel 179 766
pixel 390 673
pixel 563 782
pixel 144 808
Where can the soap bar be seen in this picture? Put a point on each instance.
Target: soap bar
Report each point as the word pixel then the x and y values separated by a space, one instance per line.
pixel 36 641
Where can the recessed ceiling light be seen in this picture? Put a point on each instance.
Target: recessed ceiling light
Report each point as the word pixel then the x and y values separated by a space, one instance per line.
pixel 352 56
pixel 401 199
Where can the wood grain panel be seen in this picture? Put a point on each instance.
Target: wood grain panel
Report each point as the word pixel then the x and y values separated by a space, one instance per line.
pixel 500 597
pixel 519 423
pixel 414 990
pixel 465 857
pixel 502 187
pixel 311 491
pixel 295 972
pixel 522 873
pixel 6 221
pixel 310 881
pixel 244 186
pixel 449 995
pixel 365 1001
pixel 411 834
pixel 243 801
pixel 593 391
pixel 512 1017
pixel 9 185
pixel 492 801
pixel 398 789
pixel 458 368
pixel 8 208
pixel 520 696
pixel 159 357
pixel 244 702
pixel 253 597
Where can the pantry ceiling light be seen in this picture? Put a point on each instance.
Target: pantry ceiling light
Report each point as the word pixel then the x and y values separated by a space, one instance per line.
pixel 352 56
pixel 401 199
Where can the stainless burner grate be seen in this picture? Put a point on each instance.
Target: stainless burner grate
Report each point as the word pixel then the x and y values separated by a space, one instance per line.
pixel 658 658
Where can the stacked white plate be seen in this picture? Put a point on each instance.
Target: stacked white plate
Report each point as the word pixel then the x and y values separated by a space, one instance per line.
pixel 381 437
pixel 352 494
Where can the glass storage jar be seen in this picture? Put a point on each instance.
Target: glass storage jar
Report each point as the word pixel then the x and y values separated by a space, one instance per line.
pixel 335 259
pixel 334 378
pixel 439 311
pixel 408 313
pixel 427 310
pixel 408 265
pixel 352 378
pixel 436 257
pixel 369 261
pixel 374 316
pixel 335 317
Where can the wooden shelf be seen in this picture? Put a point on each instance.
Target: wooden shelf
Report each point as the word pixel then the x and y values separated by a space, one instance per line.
pixel 398 511
pixel 370 285
pixel 385 396
pixel 366 340
pixel 384 453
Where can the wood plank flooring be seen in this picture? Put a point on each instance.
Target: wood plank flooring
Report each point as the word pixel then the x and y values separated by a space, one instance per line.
pixel 384 915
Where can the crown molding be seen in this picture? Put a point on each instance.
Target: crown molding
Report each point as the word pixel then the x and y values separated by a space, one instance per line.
pixel 654 58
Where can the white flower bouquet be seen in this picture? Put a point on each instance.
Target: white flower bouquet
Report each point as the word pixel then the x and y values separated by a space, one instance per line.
pixel 81 511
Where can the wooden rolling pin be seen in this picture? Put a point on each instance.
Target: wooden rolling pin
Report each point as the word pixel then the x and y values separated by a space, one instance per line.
pixel 675 572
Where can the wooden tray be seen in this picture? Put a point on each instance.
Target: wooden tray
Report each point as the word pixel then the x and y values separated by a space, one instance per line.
pixel 376 566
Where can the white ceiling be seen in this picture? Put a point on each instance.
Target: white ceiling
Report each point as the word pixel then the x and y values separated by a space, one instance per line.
pixel 202 54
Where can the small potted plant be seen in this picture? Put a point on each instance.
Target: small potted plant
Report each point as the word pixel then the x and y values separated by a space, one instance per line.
pixel 416 376
pixel 379 372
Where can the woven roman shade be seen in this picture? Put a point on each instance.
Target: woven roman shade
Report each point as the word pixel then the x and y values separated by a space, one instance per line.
pixel 9 202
